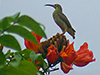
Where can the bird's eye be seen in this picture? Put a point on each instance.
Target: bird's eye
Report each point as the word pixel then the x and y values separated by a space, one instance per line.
pixel 55 5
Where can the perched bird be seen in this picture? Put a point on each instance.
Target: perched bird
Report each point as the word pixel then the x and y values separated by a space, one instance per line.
pixel 61 20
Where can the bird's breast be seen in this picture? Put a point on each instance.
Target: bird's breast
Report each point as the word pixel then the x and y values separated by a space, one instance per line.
pixel 59 22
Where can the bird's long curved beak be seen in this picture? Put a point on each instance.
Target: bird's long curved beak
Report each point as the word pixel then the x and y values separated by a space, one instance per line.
pixel 49 5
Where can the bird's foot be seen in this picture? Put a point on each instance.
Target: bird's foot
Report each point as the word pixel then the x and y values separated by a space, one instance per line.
pixel 63 33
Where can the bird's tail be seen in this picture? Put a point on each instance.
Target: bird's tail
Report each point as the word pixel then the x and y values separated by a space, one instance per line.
pixel 71 32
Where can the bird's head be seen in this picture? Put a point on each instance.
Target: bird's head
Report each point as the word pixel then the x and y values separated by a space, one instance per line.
pixel 56 6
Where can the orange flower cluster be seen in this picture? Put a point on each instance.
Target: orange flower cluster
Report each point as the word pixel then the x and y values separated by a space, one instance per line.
pixel 79 58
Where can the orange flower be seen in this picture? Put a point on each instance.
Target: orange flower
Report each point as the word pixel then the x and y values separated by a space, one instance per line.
pixel 66 68
pixel 84 56
pixel 32 46
pixel 69 55
pixel 52 54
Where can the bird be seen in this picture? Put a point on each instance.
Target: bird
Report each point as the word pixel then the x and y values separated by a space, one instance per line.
pixel 61 20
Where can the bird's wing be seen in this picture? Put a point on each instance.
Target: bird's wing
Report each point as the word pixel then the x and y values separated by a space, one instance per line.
pixel 64 19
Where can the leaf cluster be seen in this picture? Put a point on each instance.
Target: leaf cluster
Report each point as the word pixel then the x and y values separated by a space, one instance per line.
pixel 20 25
pixel 17 63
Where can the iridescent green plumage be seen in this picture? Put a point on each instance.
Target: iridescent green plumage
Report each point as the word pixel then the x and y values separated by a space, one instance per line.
pixel 61 20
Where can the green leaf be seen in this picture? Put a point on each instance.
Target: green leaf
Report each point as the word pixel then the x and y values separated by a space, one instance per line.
pixel 25 53
pixel 25 68
pixel 33 56
pixel 15 17
pixel 38 57
pixel 1 27
pixel 2 58
pixel 43 63
pixel 22 32
pixel 15 63
pixel 7 55
pixel 31 24
pixel 18 57
pixel 6 22
pixel 9 41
